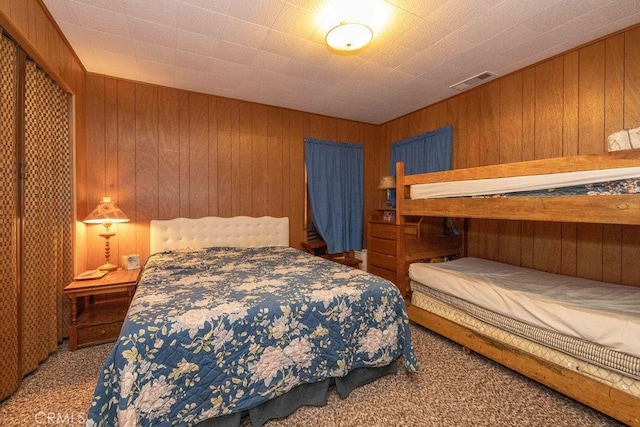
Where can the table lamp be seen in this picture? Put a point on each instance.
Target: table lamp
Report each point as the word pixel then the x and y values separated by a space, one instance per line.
pixel 387 183
pixel 106 213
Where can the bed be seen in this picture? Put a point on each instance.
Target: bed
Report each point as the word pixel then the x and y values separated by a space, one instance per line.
pixel 603 375
pixel 228 321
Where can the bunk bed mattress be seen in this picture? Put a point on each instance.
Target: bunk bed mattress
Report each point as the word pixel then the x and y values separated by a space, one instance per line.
pixel 588 310
pixel 602 374
pixel 602 181
pixel 218 331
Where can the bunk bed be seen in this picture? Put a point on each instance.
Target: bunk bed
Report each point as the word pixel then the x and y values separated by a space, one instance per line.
pixel 447 311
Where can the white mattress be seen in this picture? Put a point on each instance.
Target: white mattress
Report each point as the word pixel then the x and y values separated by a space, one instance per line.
pixel 519 183
pixel 599 312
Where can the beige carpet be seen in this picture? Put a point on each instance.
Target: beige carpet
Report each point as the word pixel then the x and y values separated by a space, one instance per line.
pixel 451 389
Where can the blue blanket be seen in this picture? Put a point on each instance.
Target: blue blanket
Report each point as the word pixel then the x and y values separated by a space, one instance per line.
pixel 220 330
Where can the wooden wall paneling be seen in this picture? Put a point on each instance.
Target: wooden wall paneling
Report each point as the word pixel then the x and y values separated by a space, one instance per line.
pixel 213 196
pixel 591 95
pixel 342 131
pixel 510 150
pixel 549 89
pixel 548 142
pixel 111 158
pixel 589 251
pixel 570 148
pixel 5 7
pixel 224 167
pixel 632 78
pixel 146 163
pixel 297 133
pixel 460 134
pixel 591 140
pixel 510 126
pixel 528 153
pixel 613 122
pixel 246 179
pixel 528 113
pixel 184 154
pixel 237 166
pixel 452 118
pixel 274 161
pixel 415 121
pixel 198 155
pixel 630 255
pixel 490 154
pixel 111 138
pixel 127 165
pixel 612 253
pixel 95 182
pixel 168 153
pixel 434 118
pixel 286 165
pixel 569 265
pixel 474 139
pixel 259 156
pixel 382 159
pixel 371 177
pixel 631 234
pixel 476 239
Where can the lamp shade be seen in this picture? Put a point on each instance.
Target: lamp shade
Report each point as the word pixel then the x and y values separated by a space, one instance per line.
pixel 106 212
pixel 387 182
pixel 349 36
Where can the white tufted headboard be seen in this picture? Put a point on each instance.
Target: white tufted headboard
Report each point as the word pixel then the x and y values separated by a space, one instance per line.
pixel 238 231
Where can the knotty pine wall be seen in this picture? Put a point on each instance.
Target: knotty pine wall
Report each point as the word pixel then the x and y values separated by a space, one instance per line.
pixel 563 106
pixel 163 153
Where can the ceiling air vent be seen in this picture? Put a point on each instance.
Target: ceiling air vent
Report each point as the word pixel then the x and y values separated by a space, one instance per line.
pixel 474 81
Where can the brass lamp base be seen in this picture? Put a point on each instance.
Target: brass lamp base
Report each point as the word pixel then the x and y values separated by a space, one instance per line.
pixel 108 267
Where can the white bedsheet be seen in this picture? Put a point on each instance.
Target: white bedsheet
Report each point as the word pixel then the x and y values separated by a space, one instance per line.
pixel 519 183
pixel 599 312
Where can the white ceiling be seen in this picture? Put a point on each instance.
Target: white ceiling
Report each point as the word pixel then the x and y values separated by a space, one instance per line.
pixel 273 51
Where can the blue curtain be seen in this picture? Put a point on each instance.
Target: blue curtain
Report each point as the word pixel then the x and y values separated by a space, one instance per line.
pixel 427 152
pixel 336 191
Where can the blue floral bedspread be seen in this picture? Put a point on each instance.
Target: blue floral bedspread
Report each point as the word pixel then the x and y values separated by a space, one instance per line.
pixel 220 330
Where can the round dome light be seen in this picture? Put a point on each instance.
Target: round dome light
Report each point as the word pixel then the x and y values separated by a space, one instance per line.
pixel 349 36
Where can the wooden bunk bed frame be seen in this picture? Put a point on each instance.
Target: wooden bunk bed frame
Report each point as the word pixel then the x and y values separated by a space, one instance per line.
pixel 611 209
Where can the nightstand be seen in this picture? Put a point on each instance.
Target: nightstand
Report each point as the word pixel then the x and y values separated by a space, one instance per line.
pixel 99 306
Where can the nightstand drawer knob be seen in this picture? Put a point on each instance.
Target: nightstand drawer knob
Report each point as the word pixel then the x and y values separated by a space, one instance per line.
pixel 103 332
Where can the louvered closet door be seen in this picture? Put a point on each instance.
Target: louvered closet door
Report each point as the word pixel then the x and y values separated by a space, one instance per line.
pixel 47 217
pixel 9 372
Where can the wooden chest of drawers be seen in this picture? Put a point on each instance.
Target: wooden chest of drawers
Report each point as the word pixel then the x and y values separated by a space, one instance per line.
pixel 392 247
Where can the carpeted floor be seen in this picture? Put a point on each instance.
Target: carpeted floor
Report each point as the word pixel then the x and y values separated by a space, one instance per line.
pixel 452 389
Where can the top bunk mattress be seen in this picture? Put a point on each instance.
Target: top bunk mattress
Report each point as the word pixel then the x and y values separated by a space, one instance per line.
pixel 515 184
pixel 603 313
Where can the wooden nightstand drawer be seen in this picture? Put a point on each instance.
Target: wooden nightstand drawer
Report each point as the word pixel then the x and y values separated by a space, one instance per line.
pixel 88 335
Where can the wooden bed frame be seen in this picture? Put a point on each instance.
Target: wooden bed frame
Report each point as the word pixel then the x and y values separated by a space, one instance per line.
pixel 614 209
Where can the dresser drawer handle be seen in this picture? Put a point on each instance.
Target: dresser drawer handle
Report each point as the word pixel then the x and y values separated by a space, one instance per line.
pixel 103 332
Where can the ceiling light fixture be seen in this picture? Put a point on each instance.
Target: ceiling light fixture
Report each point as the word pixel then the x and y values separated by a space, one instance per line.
pixel 349 36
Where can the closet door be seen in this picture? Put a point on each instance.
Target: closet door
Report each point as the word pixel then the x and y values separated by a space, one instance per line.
pixel 9 366
pixel 46 217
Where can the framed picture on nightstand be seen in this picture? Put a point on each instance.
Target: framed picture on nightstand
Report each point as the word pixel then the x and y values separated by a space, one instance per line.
pixel 389 216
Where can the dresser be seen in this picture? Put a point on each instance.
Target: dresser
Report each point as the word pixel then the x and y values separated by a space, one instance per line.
pixel 392 247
